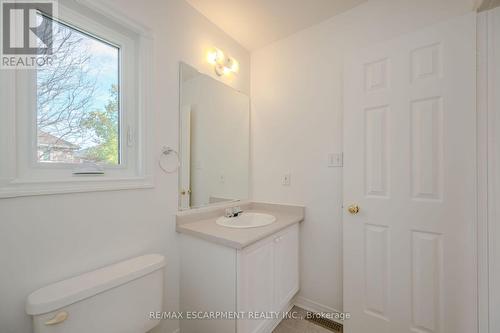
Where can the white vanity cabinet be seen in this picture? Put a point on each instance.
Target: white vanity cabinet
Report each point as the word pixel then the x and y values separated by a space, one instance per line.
pixel 268 277
pixel 260 278
pixel 256 283
pixel 286 266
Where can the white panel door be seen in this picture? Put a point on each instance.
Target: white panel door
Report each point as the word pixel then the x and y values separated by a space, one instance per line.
pixel 409 253
pixel 286 266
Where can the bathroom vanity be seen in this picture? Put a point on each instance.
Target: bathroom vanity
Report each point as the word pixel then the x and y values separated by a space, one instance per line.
pixel 237 272
pixel 241 277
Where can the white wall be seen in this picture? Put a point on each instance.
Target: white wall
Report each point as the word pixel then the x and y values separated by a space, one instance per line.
pixel 48 238
pixel 296 122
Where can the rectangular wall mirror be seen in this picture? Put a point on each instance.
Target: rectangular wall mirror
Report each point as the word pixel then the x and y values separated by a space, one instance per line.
pixel 214 141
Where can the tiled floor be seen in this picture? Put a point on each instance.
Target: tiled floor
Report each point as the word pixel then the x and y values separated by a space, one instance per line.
pixel 301 325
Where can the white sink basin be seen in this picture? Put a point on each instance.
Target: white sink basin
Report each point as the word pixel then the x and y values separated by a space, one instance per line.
pixel 246 220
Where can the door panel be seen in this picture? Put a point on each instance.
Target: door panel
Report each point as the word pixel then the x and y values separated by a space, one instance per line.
pixel 376 270
pixel 377 151
pixel 286 263
pixel 409 136
pixel 426 126
pixel 427 268
pixel 256 284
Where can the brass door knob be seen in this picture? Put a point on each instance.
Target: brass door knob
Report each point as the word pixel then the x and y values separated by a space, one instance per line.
pixel 353 209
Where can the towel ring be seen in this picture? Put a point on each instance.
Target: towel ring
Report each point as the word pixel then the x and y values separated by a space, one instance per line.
pixel 166 151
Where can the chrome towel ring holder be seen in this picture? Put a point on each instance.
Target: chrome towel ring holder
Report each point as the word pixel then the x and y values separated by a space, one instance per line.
pixel 167 151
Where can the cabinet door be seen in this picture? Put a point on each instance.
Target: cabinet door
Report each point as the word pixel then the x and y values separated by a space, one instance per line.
pixel 255 284
pixel 286 263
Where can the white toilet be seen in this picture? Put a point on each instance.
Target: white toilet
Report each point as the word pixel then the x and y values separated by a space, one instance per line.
pixel 114 299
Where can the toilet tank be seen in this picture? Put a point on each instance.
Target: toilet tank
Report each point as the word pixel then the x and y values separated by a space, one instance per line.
pixel 113 299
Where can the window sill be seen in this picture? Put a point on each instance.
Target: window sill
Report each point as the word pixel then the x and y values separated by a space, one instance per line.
pixel 24 188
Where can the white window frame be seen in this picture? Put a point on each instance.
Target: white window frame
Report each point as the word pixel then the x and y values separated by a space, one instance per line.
pixel 21 174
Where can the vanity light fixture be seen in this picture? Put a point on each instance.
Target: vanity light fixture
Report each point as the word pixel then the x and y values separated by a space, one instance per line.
pixel 223 64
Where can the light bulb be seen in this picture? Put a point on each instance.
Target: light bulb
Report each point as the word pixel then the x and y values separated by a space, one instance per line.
pixel 235 67
pixel 223 64
pixel 212 57
pixel 215 56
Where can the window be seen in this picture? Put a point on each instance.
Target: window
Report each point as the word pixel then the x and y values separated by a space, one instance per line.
pixel 78 110
pixel 79 122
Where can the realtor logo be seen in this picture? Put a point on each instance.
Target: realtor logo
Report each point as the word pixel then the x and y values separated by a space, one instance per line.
pixel 26 33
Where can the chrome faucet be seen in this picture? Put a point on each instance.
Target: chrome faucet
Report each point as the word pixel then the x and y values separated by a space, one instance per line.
pixel 233 212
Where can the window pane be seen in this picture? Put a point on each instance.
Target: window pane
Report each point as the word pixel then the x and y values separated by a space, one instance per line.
pixel 78 112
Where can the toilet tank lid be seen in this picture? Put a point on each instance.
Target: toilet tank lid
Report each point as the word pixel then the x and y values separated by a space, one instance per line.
pixel 66 292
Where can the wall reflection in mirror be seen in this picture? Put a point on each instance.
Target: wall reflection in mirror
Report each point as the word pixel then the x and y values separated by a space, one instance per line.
pixel 214 141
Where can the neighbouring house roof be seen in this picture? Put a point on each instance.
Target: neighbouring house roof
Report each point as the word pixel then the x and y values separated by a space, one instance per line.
pixel 46 139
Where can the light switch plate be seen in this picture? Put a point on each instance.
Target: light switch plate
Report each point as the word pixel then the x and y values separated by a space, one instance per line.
pixel 335 160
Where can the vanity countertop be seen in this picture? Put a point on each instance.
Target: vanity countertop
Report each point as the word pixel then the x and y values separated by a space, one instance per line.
pixel 202 224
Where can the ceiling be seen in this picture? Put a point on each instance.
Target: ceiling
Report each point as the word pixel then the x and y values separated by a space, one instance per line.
pixel 256 23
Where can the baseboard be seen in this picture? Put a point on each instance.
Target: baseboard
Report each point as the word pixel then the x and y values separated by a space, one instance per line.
pixel 315 307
